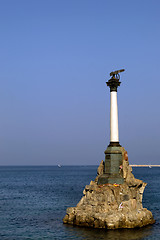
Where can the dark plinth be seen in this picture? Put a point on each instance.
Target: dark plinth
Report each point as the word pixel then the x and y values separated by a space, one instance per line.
pixel 112 169
pixel 114 144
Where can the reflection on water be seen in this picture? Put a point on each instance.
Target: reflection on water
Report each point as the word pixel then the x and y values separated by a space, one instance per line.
pixel 80 233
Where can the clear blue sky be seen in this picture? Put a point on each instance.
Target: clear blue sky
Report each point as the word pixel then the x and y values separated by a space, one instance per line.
pixel 55 57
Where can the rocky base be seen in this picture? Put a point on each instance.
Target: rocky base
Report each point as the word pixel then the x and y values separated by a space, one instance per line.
pixel 111 206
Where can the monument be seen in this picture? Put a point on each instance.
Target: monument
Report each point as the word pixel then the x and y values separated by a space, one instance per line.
pixel 113 153
pixel 114 199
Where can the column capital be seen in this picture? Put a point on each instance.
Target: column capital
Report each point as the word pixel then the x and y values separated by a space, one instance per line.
pixel 113 83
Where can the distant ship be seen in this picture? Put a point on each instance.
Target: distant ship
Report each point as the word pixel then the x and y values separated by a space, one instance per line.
pixel 59 165
pixel 150 166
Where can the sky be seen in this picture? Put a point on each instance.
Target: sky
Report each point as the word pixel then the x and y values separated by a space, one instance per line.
pixel 55 59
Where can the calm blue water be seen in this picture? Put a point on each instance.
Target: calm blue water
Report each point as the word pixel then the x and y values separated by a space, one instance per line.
pixel 33 202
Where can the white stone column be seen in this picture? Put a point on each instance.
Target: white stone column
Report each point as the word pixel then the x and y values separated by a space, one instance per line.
pixel 114 134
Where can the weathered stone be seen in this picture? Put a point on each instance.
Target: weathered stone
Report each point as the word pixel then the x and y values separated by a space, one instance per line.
pixel 111 206
pixel 100 169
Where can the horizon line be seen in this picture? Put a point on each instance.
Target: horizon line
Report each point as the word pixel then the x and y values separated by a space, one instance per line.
pixel 67 165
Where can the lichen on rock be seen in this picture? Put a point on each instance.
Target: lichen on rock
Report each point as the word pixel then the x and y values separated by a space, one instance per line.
pixel 111 206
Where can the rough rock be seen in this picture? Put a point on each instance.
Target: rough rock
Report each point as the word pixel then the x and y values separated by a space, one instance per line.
pixel 112 206
pixel 100 170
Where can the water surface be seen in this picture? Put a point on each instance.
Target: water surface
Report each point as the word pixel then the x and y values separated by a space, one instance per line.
pixel 33 202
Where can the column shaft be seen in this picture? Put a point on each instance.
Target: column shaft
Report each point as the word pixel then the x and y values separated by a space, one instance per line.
pixel 114 134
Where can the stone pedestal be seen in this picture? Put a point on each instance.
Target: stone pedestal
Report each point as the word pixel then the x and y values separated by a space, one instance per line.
pixel 112 168
pixel 112 205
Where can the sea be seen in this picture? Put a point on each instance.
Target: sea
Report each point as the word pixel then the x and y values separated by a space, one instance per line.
pixel 34 199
